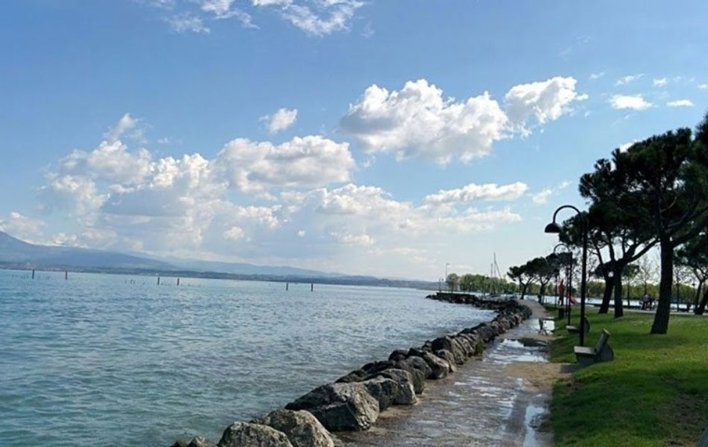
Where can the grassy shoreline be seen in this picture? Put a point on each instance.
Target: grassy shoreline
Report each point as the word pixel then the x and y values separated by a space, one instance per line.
pixel 655 392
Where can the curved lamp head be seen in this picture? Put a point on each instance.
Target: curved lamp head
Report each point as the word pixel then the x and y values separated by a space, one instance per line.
pixel 552 228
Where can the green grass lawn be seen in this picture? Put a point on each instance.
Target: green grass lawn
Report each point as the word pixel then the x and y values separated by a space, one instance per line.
pixel 654 393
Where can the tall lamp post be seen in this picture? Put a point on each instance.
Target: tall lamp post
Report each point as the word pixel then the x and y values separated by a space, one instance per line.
pixel 569 278
pixel 554 228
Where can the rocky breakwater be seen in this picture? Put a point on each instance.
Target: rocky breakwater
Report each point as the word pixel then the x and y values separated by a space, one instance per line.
pixel 354 401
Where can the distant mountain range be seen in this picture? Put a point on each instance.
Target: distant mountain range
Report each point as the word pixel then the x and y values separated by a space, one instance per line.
pixel 17 254
pixel 14 252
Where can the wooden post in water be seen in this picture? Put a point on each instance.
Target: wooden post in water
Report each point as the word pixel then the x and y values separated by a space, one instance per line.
pixel 158 280
pixel 178 281
pixel 287 284
pixel 312 286
pixel 32 273
pixel 66 275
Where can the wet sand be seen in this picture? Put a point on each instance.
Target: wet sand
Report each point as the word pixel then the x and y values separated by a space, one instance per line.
pixel 498 400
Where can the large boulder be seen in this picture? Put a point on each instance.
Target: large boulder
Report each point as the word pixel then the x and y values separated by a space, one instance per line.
pixel 414 365
pixel 340 406
pixel 439 368
pixel 449 344
pixel 241 434
pixel 389 391
pixel 405 392
pixel 448 357
pixel 301 428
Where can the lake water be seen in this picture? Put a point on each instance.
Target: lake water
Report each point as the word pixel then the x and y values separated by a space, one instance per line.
pixel 118 360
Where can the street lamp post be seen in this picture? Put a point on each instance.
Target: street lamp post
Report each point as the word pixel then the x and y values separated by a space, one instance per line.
pixel 553 227
pixel 569 279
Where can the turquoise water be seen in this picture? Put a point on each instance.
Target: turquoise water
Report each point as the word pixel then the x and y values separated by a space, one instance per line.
pixel 118 360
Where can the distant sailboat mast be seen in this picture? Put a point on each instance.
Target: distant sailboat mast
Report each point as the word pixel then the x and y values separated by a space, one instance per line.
pixel 494 277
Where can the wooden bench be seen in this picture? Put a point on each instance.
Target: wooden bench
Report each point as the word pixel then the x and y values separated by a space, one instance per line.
pixel 602 352
pixel 576 329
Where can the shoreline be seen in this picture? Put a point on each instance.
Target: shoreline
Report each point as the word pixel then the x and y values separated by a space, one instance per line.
pixel 355 401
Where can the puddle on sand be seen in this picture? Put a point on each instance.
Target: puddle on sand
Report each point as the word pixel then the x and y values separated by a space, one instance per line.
pixel 479 405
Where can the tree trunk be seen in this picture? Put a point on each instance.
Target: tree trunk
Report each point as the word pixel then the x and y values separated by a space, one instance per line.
pixel 619 308
pixel 606 295
pixel 523 290
pixel 697 297
pixel 663 308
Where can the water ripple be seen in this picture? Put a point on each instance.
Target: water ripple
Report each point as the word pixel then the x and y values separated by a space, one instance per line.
pixel 101 360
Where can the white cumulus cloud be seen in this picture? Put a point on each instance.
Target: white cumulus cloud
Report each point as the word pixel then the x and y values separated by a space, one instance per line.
pixel 280 120
pixel 418 121
pixel 545 100
pixel 680 103
pixel 633 102
pixel 660 82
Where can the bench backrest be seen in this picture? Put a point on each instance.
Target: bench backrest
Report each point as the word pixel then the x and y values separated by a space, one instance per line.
pixel 604 336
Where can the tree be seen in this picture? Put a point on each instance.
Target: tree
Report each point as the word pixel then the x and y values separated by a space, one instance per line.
pixel 671 172
pixel 694 255
pixel 661 184
pixel 452 281
pixel 523 275
pixel 467 282
pixel 616 237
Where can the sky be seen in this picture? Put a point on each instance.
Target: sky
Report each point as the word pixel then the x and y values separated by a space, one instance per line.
pixel 396 138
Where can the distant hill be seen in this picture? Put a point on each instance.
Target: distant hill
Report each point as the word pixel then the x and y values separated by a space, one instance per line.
pixel 17 253
pixel 240 268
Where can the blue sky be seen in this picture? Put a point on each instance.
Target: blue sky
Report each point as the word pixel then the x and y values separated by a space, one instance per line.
pixel 369 137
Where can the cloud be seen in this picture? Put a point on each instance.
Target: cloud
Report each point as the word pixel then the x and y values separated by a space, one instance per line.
pixel 21 226
pixel 542 196
pixel 322 18
pixel 634 102
pixel 596 76
pixel 315 17
pixel 472 192
pixel 628 79
pixel 302 162
pixel 703 86
pixel 419 122
pixel 680 103
pixel 187 23
pixel 280 120
pixel 546 101
pixel 257 201
pixel 125 124
pixel 661 82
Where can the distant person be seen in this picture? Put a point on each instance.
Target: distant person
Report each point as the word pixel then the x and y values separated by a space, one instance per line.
pixel 645 301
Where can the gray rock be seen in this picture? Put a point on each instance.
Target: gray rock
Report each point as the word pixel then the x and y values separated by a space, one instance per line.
pixel 448 357
pixel 405 394
pixel 340 406
pixel 301 428
pixel 703 442
pixel 199 441
pixel 439 368
pixel 354 376
pixel 449 344
pixel 242 434
pixel 418 375
pixel 398 354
